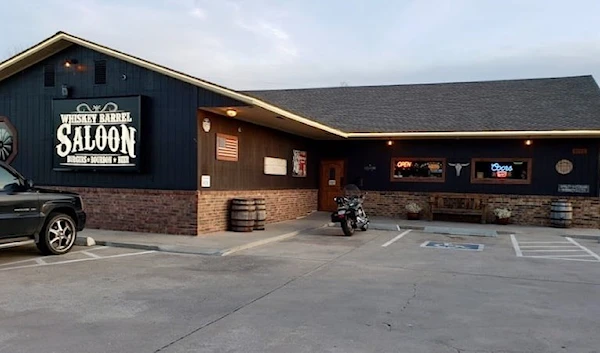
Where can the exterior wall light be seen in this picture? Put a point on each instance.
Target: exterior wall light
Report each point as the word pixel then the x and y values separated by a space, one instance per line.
pixel 528 142
pixel 70 62
pixel 231 113
pixel 390 142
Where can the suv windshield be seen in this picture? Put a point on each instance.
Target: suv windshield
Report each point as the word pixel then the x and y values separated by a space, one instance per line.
pixel 8 181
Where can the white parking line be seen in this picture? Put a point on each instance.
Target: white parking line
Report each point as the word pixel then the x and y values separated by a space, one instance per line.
pixel 516 245
pixel 90 254
pixel 396 238
pixel 76 260
pixel 545 246
pixel 553 250
pixel 596 256
pixel 545 250
pixel 42 258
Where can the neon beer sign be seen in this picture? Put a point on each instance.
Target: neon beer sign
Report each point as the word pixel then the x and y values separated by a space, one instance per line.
pixel 501 171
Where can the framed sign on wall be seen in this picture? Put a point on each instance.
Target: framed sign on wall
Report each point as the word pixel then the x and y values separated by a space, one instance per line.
pixel 299 164
pixel 97 133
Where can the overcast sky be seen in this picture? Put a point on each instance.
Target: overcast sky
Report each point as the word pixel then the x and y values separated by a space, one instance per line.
pixel 259 44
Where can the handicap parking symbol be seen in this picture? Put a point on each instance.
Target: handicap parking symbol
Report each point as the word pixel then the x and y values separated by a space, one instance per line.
pixel 452 246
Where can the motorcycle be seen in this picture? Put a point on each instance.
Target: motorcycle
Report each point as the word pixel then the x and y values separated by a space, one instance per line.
pixel 350 213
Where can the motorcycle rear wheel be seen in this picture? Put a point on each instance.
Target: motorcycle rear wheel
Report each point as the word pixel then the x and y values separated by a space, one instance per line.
pixel 347 227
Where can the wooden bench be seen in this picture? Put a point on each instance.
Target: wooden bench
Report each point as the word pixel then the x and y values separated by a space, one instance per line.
pixel 458 205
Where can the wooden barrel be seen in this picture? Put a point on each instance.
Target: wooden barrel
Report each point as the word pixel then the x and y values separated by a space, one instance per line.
pixel 561 214
pixel 261 214
pixel 243 215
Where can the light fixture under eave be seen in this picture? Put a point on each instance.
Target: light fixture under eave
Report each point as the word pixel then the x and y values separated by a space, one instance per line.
pixel 528 142
pixel 70 62
pixel 390 142
pixel 231 113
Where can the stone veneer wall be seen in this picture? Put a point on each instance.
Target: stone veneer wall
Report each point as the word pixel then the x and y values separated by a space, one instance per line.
pixel 286 204
pixel 526 209
pixel 140 210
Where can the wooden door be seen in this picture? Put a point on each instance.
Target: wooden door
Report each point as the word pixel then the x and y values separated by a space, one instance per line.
pixel 331 184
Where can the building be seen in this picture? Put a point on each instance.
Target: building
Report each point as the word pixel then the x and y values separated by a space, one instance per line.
pixel 153 149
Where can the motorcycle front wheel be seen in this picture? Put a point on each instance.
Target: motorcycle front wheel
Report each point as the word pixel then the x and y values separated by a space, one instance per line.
pixel 347 227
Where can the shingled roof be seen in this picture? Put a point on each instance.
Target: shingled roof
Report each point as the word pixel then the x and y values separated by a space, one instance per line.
pixel 566 103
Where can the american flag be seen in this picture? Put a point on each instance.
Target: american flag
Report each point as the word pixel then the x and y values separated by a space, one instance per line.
pixel 227 147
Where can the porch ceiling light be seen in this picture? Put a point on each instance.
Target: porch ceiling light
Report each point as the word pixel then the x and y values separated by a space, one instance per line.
pixel 231 113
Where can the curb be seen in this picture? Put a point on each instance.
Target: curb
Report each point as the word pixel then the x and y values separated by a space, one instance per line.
pixel 162 248
pixel 259 243
pixel 583 236
pixel 267 241
pixel 85 241
pixel 201 251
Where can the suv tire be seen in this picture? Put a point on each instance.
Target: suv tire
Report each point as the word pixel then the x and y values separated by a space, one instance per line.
pixel 58 235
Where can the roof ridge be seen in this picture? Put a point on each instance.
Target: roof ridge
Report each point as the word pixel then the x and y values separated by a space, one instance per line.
pixel 422 84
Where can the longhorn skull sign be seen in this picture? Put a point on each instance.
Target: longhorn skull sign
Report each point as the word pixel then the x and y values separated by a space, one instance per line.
pixel 458 167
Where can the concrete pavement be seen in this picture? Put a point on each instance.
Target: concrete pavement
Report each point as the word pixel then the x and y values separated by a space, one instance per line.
pixel 386 223
pixel 214 244
pixel 227 242
pixel 318 291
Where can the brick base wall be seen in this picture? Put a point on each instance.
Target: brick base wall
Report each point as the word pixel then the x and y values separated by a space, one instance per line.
pixel 213 206
pixel 526 209
pixel 140 210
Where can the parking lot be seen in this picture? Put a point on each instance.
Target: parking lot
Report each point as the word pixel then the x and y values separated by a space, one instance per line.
pixel 377 291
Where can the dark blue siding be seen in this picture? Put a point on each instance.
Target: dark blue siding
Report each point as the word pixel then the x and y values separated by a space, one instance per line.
pixel 169 149
pixel 544 155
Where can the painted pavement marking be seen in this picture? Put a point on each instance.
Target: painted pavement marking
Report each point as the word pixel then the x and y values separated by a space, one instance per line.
pixel 41 258
pixel 39 262
pixel 593 254
pixel 569 251
pixel 453 246
pixel 398 237
pixel 515 244
pixel 91 254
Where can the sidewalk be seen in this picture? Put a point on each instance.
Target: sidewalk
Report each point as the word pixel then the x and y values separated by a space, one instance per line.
pixel 385 223
pixel 215 244
pixel 226 242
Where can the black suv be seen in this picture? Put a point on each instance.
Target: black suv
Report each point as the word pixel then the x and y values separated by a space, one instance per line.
pixel 51 218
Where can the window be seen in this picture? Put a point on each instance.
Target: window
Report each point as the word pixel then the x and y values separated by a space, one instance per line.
pixel 418 169
pixel 8 181
pixel 501 171
pixel 100 72
pixel 49 75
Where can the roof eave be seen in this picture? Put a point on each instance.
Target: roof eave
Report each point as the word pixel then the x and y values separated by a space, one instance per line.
pixel 476 134
pixel 203 84
pixel 62 40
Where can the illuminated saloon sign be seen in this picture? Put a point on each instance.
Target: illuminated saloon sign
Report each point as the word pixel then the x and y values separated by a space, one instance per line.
pixel 97 134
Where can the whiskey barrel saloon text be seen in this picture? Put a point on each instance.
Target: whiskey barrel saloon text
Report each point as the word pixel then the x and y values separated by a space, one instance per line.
pixel 96 139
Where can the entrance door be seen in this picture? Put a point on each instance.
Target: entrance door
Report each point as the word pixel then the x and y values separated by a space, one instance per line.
pixel 331 184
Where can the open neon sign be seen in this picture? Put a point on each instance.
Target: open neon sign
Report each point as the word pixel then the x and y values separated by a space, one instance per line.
pixel 404 164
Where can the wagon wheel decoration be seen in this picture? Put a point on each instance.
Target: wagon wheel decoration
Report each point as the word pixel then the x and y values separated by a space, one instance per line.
pixel 8 140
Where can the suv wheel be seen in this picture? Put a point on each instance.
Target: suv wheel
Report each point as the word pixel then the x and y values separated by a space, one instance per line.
pixel 58 235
